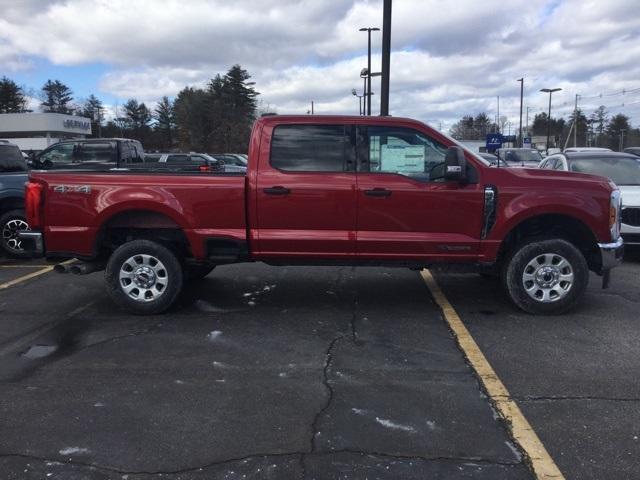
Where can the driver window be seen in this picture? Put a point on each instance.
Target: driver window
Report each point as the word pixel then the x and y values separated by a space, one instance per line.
pixel 405 151
pixel 62 154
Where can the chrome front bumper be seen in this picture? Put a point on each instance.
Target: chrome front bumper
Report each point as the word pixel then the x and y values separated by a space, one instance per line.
pixel 611 255
pixel 32 242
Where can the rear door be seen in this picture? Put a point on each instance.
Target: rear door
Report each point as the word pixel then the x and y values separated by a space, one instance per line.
pixel 406 210
pixel 306 192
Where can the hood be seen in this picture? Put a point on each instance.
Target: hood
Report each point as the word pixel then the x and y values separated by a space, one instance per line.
pixel 630 195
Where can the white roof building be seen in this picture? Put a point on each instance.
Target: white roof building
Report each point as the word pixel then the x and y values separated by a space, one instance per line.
pixel 36 131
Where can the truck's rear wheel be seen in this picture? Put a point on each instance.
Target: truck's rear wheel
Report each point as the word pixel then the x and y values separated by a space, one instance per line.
pixel 546 276
pixel 144 277
pixel 11 223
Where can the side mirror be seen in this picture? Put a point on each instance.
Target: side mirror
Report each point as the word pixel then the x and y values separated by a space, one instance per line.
pixel 455 165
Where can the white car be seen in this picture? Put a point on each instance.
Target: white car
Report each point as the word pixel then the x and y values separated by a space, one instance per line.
pixel 586 149
pixel 621 168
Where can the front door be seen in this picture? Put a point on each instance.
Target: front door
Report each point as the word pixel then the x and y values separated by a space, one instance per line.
pixel 306 192
pixel 406 210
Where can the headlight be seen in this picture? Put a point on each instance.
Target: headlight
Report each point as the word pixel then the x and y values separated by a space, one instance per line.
pixel 615 208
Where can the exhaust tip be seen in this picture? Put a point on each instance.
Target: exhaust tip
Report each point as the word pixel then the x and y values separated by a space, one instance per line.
pixel 59 268
pixel 75 269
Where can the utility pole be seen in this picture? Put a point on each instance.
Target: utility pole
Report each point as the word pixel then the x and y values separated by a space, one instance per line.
pixel 369 30
pixel 527 127
pixel 521 95
pixel 575 120
pixel 498 122
pixel 386 58
pixel 549 91
pixel 622 130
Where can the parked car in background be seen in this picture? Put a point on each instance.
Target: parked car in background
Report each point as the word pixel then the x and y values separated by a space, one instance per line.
pixel 621 168
pixel 520 157
pixel 587 149
pixel 494 160
pixel 90 154
pixel 236 159
pixel 191 162
pixel 13 175
pixel 633 151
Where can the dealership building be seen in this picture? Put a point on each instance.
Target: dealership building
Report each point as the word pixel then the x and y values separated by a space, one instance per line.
pixel 36 131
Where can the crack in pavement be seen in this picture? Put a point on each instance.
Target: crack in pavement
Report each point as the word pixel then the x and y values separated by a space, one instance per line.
pixel 121 471
pixel 325 382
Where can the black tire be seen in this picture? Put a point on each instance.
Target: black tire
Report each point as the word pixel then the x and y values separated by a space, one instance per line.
pixel 197 272
pixel 10 223
pixel 526 266
pixel 142 299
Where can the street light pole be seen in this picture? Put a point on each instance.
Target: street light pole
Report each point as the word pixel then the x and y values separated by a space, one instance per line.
pixel 354 92
pixel 386 58
pixel 368 91
pixel 549 91
pixel 521 95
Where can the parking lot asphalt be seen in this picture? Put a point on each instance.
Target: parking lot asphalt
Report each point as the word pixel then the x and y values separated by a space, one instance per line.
pixel 575 376
pixel 257 372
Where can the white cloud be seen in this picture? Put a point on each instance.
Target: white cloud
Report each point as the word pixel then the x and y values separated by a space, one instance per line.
pixel 449 59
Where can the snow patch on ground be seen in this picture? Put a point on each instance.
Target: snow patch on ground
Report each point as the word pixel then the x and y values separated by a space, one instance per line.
pixel 431 424
pixel 207 307
pixel 394 426
pixel 359 411
pixel 74 451
pixel 513 448
pixel 213 336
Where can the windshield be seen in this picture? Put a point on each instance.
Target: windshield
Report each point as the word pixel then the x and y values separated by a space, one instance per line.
pixel 11 159
pixel 622 171
pixel 526 156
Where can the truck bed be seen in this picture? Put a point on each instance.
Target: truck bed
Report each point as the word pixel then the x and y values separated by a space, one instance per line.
pixel 203 206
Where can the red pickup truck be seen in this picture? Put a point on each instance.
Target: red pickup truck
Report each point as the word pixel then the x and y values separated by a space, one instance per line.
pixel 333 190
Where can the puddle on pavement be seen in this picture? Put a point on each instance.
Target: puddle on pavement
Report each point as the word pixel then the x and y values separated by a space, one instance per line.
pixel 40 351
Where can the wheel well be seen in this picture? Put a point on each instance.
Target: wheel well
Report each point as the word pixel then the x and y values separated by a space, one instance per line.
pixel 559 226
pixel 11 203
pixel 141 224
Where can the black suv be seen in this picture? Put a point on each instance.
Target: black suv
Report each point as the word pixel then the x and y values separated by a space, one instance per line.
pixel 91 154
pixel 13 175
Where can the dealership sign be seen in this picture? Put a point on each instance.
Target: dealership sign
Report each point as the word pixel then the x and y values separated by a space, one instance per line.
pixel 77 125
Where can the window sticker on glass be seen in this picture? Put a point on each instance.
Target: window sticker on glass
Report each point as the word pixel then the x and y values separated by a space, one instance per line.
pixel 402 158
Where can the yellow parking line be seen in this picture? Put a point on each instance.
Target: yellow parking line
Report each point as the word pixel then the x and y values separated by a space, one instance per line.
pixel 541 462
pixel 24 266
pixel 29 276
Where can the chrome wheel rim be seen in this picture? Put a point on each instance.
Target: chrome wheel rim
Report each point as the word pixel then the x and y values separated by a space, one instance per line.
pixel 548 278
pixel 10 232
pixel 143 278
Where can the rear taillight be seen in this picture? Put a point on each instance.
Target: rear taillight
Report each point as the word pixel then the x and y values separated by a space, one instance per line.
pixel 204 168
pixel 33 204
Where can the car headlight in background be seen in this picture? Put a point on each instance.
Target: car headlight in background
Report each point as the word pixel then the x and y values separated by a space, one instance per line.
pixel 615 208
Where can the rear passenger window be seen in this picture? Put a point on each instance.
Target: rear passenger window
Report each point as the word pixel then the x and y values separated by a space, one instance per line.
pixel 178 159
pixel 97 152
pixel 309 148
pixel 11 159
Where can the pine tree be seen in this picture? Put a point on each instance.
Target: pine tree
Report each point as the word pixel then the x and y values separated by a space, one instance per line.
pixel 56 97
pixel 12 98
pixel 164 115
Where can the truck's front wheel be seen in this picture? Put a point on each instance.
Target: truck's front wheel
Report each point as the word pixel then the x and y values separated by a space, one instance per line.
pixel 546 276
pixel 144 277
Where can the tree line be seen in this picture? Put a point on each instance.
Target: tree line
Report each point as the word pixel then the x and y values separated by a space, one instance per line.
pixel 217 118
pixel 599 129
